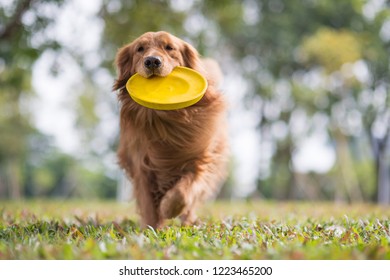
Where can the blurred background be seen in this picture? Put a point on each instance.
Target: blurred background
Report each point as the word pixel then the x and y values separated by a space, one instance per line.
pixel 308 83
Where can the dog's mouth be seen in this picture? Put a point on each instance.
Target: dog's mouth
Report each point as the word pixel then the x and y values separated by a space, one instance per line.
pixel 153 73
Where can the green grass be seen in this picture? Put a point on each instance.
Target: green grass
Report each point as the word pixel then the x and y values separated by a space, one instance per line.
pixel 228 230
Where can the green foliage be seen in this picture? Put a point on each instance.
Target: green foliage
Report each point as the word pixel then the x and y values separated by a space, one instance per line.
pixel 126 20
pixel 18 52
pixel 29 164
pixel 332 48
pixel 235 230
pixel 286 44
pixel 60 175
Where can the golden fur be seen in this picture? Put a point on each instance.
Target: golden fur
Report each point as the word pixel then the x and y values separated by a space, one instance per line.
pixel 175 159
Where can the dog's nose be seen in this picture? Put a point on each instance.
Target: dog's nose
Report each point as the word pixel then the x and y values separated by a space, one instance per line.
pixel 153 62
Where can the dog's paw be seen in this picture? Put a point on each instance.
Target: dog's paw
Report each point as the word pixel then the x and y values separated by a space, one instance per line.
pixel 189 219
pixel 172 204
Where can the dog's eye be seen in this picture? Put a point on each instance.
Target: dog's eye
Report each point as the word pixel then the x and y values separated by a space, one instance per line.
pixel 169 47
pixel 140 49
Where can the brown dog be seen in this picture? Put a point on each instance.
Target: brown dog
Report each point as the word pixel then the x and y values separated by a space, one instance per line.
pixel 175 159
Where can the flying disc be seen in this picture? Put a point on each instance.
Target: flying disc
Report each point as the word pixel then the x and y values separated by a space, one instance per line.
pixel 183 87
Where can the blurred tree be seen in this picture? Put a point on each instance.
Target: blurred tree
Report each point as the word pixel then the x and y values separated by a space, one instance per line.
pixel 309 58
pixel 331 48
pixel 20 21
pixel 359 60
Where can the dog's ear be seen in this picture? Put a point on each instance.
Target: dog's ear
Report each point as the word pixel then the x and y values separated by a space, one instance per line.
pixel 190 56
pixel 124 65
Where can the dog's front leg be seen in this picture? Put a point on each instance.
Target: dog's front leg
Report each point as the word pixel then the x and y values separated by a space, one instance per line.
pixel 180 201
pixel 145 201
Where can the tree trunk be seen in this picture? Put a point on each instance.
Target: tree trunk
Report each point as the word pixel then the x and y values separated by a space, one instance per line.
pixel 347 169
pixel 383 182
pixel 14 179
pixel 383 173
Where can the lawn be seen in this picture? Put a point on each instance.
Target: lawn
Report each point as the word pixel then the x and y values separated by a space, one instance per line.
pixel 228 230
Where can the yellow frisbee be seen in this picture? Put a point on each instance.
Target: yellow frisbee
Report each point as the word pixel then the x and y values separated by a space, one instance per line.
pixel 183 87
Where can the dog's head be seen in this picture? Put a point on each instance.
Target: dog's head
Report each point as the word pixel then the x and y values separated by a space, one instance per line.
pixel 153 53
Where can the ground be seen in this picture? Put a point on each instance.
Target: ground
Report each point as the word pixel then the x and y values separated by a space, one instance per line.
pixel 227 230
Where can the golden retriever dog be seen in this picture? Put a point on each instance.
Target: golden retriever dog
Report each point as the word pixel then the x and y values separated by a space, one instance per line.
pixel 175 159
